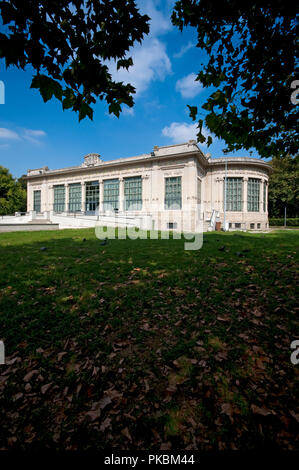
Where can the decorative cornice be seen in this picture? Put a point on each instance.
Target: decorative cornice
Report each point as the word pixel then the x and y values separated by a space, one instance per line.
pixel 240 160
pixel 116 163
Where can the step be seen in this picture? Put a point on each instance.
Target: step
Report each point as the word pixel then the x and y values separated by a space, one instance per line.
pixel 40 221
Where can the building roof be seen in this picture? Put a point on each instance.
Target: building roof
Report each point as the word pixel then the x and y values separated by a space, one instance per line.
pixel 93 161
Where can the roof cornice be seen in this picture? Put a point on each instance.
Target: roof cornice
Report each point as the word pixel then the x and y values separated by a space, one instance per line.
pixel 148 158
pixel 238 160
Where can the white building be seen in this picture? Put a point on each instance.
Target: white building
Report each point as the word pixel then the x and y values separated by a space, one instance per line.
pixel 169 186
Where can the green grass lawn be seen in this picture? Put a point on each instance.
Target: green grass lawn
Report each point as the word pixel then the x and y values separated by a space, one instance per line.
pixel 143 345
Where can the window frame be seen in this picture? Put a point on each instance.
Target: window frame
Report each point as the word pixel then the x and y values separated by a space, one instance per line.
pixel 234 193
pixel 75 198
pixel 35 193
pixel 111 188
pixel 59 198
pixel 133 193
pixel 173 197
pixel 92 196
pixel 253 195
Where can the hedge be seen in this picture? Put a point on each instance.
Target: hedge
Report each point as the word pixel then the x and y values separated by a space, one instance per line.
pixel 280 222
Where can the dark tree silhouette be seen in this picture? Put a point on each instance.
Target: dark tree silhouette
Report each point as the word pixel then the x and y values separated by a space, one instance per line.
pixel 68 44
pixel 252 50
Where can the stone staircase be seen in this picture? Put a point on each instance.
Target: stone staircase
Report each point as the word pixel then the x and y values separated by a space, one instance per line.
pixel 40 221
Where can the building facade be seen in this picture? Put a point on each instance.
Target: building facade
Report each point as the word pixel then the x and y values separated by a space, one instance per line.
pixel 174 185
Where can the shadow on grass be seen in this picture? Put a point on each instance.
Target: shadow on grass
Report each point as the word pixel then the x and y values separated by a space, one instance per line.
pixel 177 340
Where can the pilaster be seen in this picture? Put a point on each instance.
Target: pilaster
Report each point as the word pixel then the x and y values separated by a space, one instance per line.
pixel 66 197
pixel 121 194
pixel 83 195
pixel 101 196
pixel 245 193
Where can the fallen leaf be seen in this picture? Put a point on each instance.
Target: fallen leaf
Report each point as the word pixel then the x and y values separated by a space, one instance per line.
pixel 227 408
pixel 104 402
pixel 295 415
pixel 94 414
pixel 165 446
pixel 105 424
pixel 223 318
pixel 261 411
pixel 125 432
pixel 45 388
pixel 60 355
pixel 30 375
pixel 18 396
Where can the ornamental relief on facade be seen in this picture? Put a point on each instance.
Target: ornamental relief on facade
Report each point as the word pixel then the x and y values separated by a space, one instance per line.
pixel 172 173
pixel 170 164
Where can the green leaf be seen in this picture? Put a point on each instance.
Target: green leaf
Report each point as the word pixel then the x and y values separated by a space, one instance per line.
pixel 85 110
pixel 193 112
pixel 125 63
pixel 47 86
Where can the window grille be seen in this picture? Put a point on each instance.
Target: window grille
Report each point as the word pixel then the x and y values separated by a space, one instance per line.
pixel 37 201
pixel 173 192
pixel 133 193
pixel 92 196
pixel 75 197
pixel 111 194
pixel 59 198
pixel 253 196
pixel 234 194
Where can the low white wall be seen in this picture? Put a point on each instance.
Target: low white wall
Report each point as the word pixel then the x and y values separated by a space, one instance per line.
pixel 72 222
pixel 27 227
pixel 143 222
pixel 12 219
pixel 67 221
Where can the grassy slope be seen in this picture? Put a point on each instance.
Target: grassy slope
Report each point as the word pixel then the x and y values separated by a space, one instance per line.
pixel 142 345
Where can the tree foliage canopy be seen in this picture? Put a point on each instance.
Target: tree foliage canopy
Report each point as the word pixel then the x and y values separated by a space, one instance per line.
pixel 68 44
pixel 252 60
pixel 284 187
pixel 13 196
pixel 252 50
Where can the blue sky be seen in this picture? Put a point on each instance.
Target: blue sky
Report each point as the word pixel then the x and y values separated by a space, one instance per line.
pixel 34 134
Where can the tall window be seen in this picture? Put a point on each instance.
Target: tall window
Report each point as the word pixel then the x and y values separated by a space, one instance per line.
pixel 133 193
pixel 59 198
pixel 234 194
pixel 253 197
pixel 92 198
pixel 111 194
pixel 264 198
pixel 173 192
pixel 75 197
pixel 36 201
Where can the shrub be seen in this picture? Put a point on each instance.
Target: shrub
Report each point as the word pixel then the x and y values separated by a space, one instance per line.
pixel 280 222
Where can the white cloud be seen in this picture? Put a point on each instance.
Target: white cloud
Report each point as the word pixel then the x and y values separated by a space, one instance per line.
pixel 7 134
pixel 188 87
pixel 128 111
pixel 151 62
pixel 184 49
pixel 33 136
pixel 180 132
pixel 159 23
